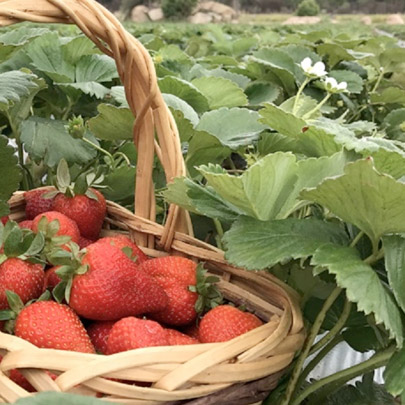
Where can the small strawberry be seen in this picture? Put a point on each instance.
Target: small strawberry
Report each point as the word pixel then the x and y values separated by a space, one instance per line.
pixel 133 333
pixel 22 277
pixel 99 332
pixel 85 205
pixel 27 224
pixel 122 242
pixel 4 220
pixel 51 279
pixel 225 322
pixel 47 324
pixel 55 221
pixel 110 286
pixel 177 338
pixel 36 203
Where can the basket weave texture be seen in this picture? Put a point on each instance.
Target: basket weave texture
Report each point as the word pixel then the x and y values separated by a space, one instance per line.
pixel 237 372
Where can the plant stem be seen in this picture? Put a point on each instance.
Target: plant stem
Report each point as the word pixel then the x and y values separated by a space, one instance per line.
pixel 334 381
pixel 377 83
pixel 356 239
pixel 100 149
pixel 300 90
pixel 314 362
pixel 336 328
pixel 318 107
pixel 220 233
pixel 291 387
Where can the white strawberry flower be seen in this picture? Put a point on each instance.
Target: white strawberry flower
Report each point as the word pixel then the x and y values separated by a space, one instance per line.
pixel 332 86
pixel 317 70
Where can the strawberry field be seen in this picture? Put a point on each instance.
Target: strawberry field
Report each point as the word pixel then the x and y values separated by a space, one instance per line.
pixel 294 146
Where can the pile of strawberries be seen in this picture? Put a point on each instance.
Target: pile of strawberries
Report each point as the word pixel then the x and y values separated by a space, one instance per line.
pixel 63 287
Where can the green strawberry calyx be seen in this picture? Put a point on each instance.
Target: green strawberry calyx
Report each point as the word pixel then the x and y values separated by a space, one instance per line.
pixel 206 287
pixel 70 263
pixel 15 307
pixel 21 243
pixel 80 186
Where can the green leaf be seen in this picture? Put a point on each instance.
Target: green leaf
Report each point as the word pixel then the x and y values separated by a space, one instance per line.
pixel 48 141
pixel 394 374
pixel 365 198
pixel 233 127
pixel 90 71
pixel 200 200
pixel 9 165
pixel 185 91
pixel 220 92
pixel 63 174
pixel 362 286
pixel 12 243
pixel 394 255
pixel 14 86
pixel 353 80
pixel 205 148
pixel 390 95
pixel 262 92
pixel 281 65
pixel 22 35
pixel 47 56
pixel 52 398
pixel 178 104
pixel 120 184
pixel 14 301
pixel 78 47
pixel 282 121
pixel 392 123
pixel 257 245
pixel 112 123
pixel 362 339
pixel 263 191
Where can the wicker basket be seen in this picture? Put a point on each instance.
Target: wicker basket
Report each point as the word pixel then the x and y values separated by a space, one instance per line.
pixel 241 371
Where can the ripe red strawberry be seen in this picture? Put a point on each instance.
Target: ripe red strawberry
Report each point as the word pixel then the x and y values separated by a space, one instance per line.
pixel 4 220
pixel 99 332
pixel 133 333
pixel 122 242
pixel 27 224
pixel 225 322
pixel 51 279
pixel 177 338
pixel 87 212
pixel 22 277
pixel 36 204
pixel 174 274
pixel 47 324
pixel 84 242
pixel 67 227
pixel 113 286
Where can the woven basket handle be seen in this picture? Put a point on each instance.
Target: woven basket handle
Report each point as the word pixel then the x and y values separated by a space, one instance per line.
pixel 137 73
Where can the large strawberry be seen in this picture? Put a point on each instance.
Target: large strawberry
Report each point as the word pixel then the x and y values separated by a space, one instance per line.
pixel 22 277
pixel 225 322
pixel 123 242
pixel 99 332
pixel 36 203
pixel 19 379
pixel 133 333
pixel 113 286
pixel 47 324
pixel 83 204
pixel 186 286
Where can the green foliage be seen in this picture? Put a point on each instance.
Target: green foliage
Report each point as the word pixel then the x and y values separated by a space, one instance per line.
pixel 308 8
pixel 177 9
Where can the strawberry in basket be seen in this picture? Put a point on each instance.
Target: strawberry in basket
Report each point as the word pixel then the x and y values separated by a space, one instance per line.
pixel 21 270
pixel 78 201
pixel 103 284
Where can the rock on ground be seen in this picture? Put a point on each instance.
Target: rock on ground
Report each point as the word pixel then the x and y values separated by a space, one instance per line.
pixel 302 20
pixel 395 19
pixel 139 14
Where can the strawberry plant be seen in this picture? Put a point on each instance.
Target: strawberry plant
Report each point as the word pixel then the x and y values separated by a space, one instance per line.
pixel 294 146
